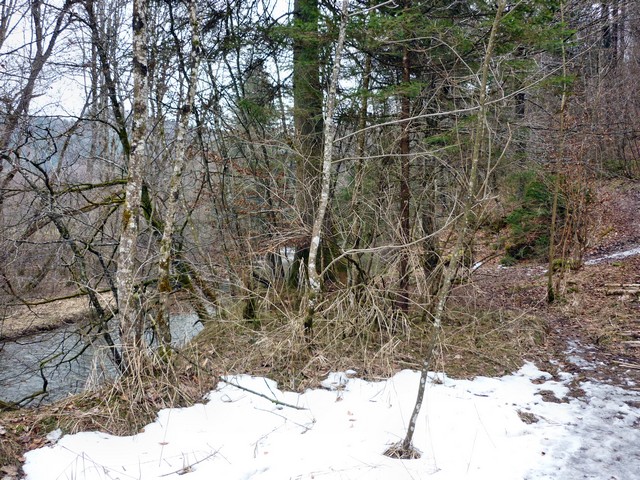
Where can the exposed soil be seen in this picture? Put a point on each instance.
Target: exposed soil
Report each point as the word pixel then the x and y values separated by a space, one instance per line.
pixel 20 320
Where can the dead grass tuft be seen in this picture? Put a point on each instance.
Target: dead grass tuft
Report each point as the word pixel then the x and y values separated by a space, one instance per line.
pixel 493 342
pixel 400 452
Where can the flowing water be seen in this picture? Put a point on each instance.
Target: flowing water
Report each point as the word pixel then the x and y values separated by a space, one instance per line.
pixel 67 359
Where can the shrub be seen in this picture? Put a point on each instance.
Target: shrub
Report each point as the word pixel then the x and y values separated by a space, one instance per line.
pixel 531 201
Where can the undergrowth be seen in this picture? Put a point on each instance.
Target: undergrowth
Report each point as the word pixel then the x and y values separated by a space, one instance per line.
pixel 360 333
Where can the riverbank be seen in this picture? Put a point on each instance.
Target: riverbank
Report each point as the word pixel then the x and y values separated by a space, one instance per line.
pixel 21 321
pixel 499 319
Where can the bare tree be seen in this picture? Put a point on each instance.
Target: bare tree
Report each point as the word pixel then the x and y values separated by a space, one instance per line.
pixel 405 448
pixel 129 311
pixel 164 263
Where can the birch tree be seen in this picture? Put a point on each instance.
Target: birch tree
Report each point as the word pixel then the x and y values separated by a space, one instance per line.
pixel 184 113
pixel 131 323
pixel 308 118
pixel 315 279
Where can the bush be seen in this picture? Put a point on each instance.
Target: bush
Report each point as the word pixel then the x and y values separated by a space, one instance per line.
pixel 531 201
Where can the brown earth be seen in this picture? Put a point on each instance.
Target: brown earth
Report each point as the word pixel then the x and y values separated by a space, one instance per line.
pixel 603 329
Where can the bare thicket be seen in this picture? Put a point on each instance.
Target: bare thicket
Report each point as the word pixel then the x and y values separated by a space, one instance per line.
pixel 317 173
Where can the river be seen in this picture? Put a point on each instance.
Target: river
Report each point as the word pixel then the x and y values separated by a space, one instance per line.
pixel 70 359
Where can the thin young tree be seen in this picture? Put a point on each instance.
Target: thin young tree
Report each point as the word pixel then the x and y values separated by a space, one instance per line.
pixel 405 448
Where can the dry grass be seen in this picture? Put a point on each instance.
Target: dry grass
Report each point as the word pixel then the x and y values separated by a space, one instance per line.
pixel 493 342
pixel 397 450
pixel 368 336
pixel 353 330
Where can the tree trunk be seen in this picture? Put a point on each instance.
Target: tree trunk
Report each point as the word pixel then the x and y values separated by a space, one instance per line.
pixel 402 301
pixel 307 105
pixel 358 224
pixel 307 116
pixel 166 243
pixel 315 279
pixel 131 320
pixel 551 293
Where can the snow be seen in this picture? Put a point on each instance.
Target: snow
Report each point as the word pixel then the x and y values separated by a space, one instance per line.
pixel 467 429
pixel 614 256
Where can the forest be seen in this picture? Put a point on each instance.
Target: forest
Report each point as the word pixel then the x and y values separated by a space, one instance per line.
pixel 190 189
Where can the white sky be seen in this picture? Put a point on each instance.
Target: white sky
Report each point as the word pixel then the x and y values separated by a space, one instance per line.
pixel 62 91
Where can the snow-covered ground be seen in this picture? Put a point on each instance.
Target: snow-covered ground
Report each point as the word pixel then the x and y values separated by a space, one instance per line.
pixel 467 429
pixel 632 252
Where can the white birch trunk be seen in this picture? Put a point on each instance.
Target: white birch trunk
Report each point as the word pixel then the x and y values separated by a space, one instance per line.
pixel 315 280
pixel 166 243
pixel 131 327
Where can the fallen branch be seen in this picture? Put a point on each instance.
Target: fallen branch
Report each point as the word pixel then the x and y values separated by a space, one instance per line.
pixel 622 288
pixel 253 392
pixel 622 291
pixel 632 366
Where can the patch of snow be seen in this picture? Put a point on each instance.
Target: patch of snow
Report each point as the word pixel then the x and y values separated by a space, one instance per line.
pixel 471 429
pixel 54 436
pixel 614 256
pixel 335 381
pixel 580 362
pixel 573 355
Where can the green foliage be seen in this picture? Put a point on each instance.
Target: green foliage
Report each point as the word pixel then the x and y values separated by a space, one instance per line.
pixel 508 261
pixel 440 139
pixel 255 111
pixel 560 264
pixel 531 198
pixel 559 83
pixel 534 26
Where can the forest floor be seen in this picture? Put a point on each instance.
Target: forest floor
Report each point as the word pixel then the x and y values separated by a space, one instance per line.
pixel 587 331
pixel 587 320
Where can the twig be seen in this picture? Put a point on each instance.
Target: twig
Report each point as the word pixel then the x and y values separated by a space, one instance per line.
pixel 306 428
pixel 186 469
pixel 272 400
